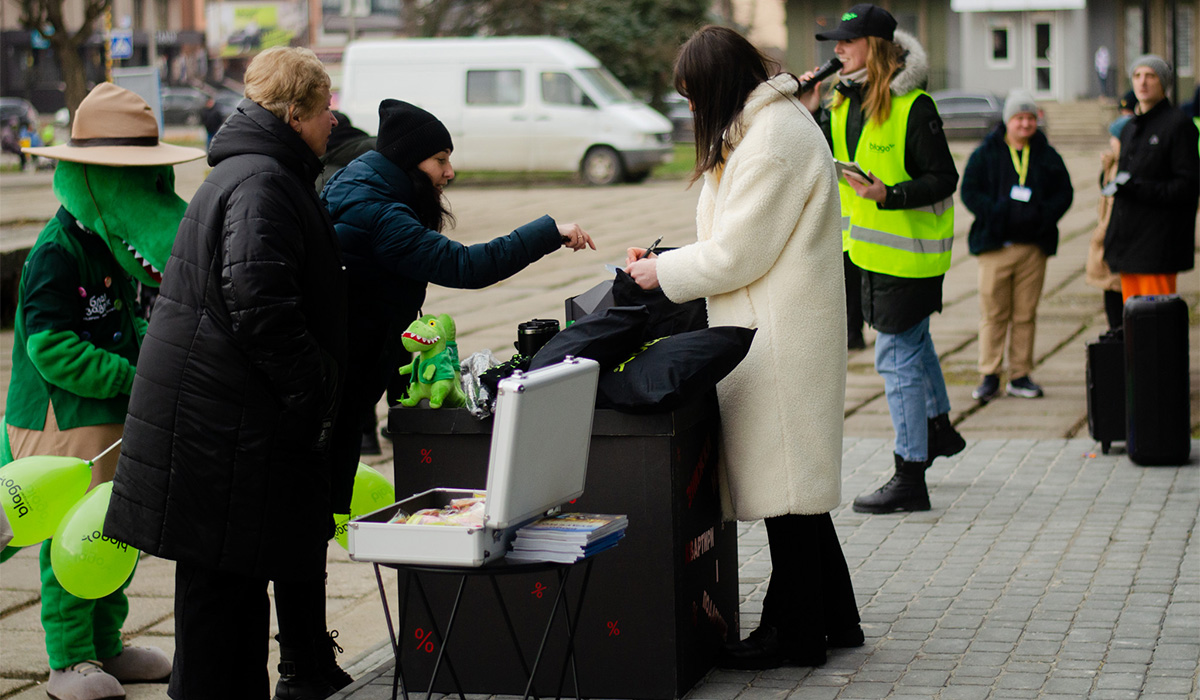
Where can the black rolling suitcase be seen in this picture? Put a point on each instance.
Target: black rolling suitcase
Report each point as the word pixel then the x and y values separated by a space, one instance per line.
pixel 1158 412
pixel 1106 388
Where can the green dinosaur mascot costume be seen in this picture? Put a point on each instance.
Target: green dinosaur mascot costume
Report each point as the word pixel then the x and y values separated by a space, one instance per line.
pixel 77 335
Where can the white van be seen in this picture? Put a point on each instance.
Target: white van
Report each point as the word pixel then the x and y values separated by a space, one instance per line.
pixel 512 104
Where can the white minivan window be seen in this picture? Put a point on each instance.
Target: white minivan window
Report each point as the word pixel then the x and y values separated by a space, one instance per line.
pixel 609 88
pixel 495 87
pixel 560 89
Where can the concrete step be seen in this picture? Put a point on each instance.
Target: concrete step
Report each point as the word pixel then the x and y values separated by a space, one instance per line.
pixel 1078 124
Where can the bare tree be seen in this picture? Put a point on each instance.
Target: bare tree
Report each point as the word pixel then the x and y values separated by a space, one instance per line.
pixel 40 14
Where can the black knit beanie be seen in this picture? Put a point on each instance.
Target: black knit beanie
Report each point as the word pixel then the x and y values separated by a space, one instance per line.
pixel 409 134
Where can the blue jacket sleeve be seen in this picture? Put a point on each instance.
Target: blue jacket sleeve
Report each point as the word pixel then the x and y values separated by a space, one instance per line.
pixel 405 247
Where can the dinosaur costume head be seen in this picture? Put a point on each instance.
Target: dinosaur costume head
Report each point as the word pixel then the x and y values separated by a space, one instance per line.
pixel 115 178
pixel 134 209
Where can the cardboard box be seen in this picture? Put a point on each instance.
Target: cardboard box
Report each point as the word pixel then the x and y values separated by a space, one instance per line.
pixel 658 607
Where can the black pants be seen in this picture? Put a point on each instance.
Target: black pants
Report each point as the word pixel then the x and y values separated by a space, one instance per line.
pixel 222 633
pixel 223 627
pixel 1114 309
pixel 809 594
pixel 854 314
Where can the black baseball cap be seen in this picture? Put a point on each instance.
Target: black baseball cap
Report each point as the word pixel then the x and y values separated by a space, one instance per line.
pixel 862 20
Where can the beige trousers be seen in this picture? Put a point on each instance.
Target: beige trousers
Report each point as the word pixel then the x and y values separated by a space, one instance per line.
pixel 1010 286
pixel 85 443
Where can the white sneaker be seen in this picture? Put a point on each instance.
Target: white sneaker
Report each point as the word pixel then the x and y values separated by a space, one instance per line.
pixel 85 680
pixel 139 664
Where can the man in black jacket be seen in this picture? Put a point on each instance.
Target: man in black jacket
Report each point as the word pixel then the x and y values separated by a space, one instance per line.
pixel 1151 236
pixel 1018 187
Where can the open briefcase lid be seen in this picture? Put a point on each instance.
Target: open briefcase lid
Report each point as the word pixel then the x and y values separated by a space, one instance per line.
pixel 540 440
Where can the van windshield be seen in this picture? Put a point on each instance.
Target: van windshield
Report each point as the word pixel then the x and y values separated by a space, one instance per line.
pixel 606 85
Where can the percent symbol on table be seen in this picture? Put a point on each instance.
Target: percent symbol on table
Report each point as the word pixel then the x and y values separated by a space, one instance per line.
pixel 426 456
pixel 538 589
pixel 613 630
pixel 423 640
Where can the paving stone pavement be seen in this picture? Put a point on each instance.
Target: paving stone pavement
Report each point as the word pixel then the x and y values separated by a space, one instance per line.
pixel 1045 570
pixel 1041 572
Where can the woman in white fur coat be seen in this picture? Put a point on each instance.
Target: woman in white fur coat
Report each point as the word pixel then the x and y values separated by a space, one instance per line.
pixel 768 256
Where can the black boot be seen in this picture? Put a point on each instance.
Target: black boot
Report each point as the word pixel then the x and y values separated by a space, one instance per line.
pixel 765 648
pixel 310 671
pixel 370 435
pixel 327 662
pixel 904 492
pixel 944 440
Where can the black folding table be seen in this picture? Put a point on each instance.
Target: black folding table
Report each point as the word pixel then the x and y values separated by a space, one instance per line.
pixel 490 572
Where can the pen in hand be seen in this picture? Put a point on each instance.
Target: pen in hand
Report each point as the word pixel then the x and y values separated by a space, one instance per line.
pixel 651 248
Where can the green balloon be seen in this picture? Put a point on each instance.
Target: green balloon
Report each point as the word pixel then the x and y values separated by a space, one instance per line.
pixel 372 491
pixel 37 491
pixel 340 530
pixel 86 562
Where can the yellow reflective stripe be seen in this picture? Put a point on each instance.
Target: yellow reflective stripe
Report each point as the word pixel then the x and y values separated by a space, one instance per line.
pixel 918 246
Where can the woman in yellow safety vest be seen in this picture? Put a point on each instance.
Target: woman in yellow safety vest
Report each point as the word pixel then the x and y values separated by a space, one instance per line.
pixel 898 225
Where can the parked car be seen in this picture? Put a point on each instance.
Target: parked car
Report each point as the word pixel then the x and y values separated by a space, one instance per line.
pixel 11 107
pixel 513 104
pixel 971 115
pixel 680 115
pixel 968 115
pixel 226 102
pixel 183 105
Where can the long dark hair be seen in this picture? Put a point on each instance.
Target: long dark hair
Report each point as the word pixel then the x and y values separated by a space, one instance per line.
pixel 430 205
pixel 716 69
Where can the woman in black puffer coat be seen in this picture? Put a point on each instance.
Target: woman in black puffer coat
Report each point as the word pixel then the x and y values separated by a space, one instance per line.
pixel 223 466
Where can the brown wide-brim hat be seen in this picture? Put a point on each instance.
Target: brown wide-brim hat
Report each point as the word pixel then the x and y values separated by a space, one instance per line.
pixel 114 126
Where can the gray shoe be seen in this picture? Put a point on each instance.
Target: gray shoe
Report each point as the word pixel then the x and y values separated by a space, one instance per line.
pixel 987 389
pixel 139 665
pixel 85 680
pixel 1025 388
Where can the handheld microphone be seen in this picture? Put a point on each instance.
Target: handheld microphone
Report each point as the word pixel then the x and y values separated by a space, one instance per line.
pixel 830 67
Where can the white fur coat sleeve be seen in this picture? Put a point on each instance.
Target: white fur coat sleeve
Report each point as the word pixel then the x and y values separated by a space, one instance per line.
pixel 768 256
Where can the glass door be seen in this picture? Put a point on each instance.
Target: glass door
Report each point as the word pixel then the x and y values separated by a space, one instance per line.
pixel 1045 70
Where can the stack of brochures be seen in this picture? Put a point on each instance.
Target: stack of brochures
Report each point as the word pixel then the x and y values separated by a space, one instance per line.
pixel 567 537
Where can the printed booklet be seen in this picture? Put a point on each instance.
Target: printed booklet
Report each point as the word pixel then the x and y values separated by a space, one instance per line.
pixel 568 537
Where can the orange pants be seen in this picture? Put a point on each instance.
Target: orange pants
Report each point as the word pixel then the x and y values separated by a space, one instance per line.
pixel 1133 285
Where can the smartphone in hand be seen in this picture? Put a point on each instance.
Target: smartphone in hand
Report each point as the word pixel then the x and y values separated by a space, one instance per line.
pixel 851 170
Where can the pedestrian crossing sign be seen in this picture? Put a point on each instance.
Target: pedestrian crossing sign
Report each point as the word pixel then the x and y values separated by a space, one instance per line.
pixel 121 44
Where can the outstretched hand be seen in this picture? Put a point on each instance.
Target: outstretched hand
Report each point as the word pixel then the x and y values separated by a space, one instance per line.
pixel 574 237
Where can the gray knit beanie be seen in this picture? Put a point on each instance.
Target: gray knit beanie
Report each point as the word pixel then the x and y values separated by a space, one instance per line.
pixel 1019 102
pixel 1156 64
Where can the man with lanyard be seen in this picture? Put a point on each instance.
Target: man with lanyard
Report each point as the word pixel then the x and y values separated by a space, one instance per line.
pixel 1018 187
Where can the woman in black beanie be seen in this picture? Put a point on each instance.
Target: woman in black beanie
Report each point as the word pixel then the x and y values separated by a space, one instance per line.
pixel 389 214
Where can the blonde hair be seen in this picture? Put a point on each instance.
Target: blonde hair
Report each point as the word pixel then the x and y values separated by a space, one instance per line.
pixel 884 59
pixel 288 79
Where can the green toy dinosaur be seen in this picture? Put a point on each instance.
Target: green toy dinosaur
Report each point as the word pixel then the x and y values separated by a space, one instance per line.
pixel 435 371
